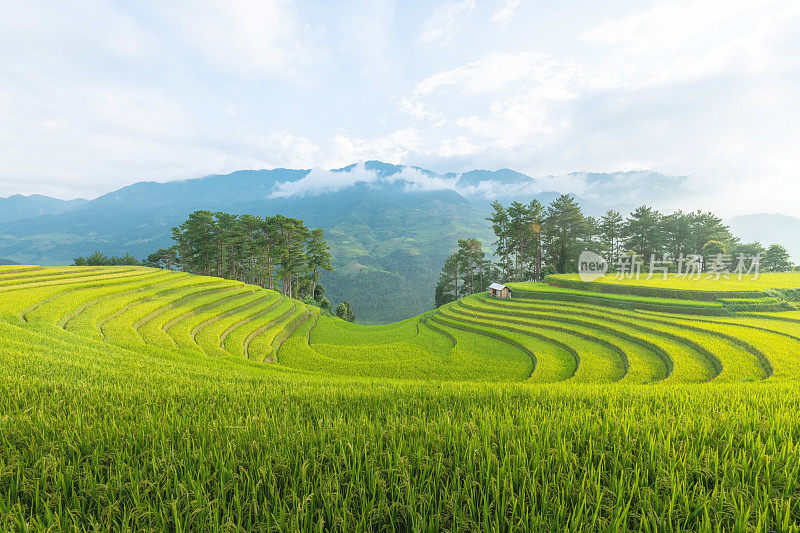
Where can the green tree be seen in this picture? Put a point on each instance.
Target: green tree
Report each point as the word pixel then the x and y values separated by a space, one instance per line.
pixel 776 259
pixel 610 227
pixel 318 256
pixel 536 221
pixel 712 250
pixel 500 225
pixel 748 249
pixel 164 258
pixel 194 239
pixel 643 232
pixel 345 312
pixel 441 295
pixel 525 239
pixel 472 260
pixel 96 258
pixel 449 276
pixel 325 305
pixel 564 228
pixel 251 249
pixel 677 234
pixel 708 227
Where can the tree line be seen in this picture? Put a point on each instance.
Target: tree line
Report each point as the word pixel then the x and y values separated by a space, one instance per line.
pixel 532 241
pixel 277 252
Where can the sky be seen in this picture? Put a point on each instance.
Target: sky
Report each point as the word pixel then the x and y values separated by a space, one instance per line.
pixel 97 94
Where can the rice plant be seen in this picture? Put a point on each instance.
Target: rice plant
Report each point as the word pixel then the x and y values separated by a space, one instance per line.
pixel 136 399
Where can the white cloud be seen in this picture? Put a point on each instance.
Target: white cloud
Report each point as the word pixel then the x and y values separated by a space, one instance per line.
pixel 496 71
pixel 319 181
pixel 539 86
pixel 458 146
pixel 248 37
pixel 502 17
pixel 491 189
pixel 680 41
pixel 416 109
pixel 284 147
pixel 519 121
pixel 390 148
pixel 446 21
pixel 417 181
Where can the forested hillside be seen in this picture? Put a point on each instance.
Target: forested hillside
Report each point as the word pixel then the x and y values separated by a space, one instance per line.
pixel 390 228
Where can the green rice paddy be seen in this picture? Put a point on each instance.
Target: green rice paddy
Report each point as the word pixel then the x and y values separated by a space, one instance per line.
pixel 142 399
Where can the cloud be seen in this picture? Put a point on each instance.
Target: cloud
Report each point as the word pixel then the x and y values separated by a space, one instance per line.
pixel 458 146
pixel 521 120
pixel 496 71
pixel 319 181
pixel 291 150
pixel 502 17
pixel 417 181
pixel 492 190
pixel 391 148
pixel 539 87
pixel 676 42
pixel 251 38
pixel 446 21
pixel 416 109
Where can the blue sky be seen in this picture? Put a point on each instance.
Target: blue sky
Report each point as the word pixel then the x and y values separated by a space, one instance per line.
pixel 97 94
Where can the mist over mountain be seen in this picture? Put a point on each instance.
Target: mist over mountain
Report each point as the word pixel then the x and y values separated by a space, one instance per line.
pixel 769 228
pixel 390 227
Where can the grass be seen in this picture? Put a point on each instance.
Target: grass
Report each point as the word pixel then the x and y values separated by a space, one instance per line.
pixel 138 400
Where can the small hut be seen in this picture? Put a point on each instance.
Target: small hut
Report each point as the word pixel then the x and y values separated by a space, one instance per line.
pixel 499 290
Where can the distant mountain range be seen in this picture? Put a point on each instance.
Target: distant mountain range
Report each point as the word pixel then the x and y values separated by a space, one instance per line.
pixel 769 228
pixel 19 207
pixel 390 227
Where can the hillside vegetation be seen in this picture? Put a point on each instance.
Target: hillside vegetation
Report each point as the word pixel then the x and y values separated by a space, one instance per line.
pixel 148 399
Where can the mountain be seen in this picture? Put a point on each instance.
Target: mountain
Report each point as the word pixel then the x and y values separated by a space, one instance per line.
pixel 7 262
pixel 769 228
pixel 390 227
pixel 388 242
pixel 19 207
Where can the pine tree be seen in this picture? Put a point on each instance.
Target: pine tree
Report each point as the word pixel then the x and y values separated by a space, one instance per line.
pixel 776 259
pixel 345 312
pixel 318 256
pixel 611 233
pixel 500 226
pixel 564 228
pixel 643 232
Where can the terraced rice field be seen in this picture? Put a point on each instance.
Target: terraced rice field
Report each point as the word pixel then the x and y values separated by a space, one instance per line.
pixel 134 398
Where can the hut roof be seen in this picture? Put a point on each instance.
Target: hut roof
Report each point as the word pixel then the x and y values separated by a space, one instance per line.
pixel 498 286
